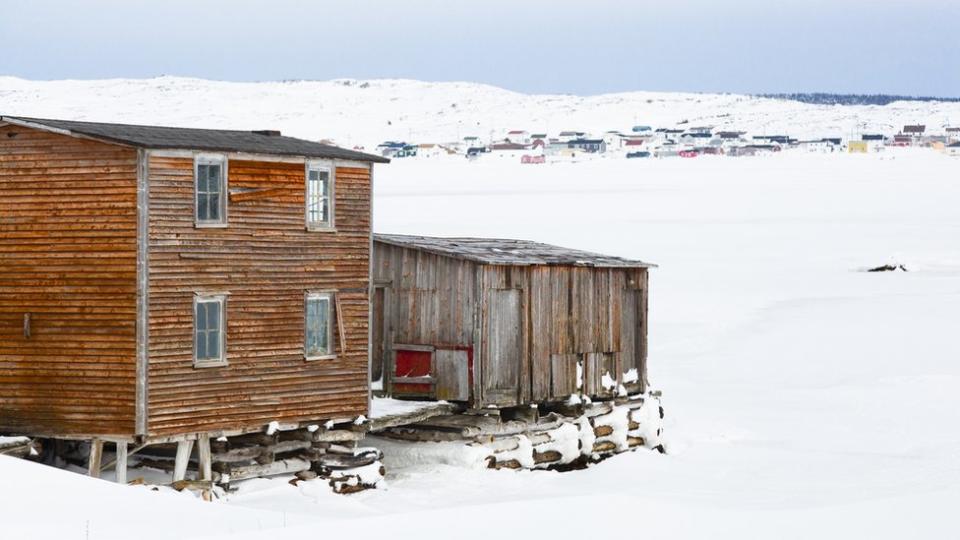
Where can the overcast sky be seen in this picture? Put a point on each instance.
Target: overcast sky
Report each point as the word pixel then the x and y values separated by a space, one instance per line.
pixel 581 47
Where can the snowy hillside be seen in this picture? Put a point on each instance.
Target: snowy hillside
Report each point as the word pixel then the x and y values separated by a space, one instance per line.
pixel 365 113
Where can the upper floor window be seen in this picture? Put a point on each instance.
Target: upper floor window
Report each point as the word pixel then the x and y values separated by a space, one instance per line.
pixel 319 210
pixel 210 173
pixel 209 339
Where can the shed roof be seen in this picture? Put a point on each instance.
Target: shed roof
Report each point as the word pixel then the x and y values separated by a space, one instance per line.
pixel 507 252
pixel 159 137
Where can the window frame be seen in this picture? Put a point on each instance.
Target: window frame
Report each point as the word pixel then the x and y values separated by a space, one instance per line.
pixel 211 159
pixel 330 223
pixel 201 298
pixel 330 296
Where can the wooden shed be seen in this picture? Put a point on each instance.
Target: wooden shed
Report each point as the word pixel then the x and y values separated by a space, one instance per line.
pixel 163 284
pixel 503 323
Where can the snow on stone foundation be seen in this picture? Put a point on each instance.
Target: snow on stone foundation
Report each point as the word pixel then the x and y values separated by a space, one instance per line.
pixel 603 430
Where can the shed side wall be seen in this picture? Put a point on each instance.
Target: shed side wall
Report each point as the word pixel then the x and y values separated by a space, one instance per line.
pixel 265 260
pixel 68 236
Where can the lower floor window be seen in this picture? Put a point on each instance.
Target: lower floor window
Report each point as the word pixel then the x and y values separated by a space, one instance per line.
pixel 209 340
pixel 319 326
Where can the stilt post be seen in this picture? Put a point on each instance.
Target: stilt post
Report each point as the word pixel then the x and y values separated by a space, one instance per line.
pixel 121 467
pixel 184 449
pixel 96 456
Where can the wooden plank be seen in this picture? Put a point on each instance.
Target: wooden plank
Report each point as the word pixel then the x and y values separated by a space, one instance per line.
pixel 452 377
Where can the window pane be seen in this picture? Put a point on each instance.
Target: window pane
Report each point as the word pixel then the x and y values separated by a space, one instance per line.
pixel 214 207
pixel 323 210
pixel 201 322
pixel 323 306
pixel 213 178
pixel 213 344
pixel 203 207
pixel 201 345
pixel 213 315
pixel 202 174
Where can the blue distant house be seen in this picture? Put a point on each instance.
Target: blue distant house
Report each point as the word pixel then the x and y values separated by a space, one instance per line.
pixel 641 129
pixel 588 145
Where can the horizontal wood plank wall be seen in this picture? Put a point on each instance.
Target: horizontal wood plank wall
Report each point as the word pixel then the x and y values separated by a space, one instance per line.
pixel 68 225
pixel 265 260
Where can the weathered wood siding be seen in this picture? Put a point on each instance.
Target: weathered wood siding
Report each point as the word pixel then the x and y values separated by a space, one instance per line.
pixel 429 299
pixel 265 260
pixel 569 315
pixel 68 237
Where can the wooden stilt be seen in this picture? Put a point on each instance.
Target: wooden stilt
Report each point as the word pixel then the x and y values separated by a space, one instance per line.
pixel 121 467
pixel 184 449
pixel 96 456
pixel 205 466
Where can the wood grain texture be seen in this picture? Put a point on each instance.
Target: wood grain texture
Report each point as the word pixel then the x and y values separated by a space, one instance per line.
pixel 569 314
pixel 266 260
pixel 68 259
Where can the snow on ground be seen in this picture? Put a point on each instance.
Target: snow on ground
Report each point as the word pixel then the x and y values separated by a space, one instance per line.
pixel 380 407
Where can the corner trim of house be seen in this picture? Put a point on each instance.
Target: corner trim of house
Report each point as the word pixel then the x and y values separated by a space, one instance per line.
pixel 143 289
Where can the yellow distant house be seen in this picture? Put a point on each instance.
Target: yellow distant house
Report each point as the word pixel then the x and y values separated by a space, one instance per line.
pixel 857 147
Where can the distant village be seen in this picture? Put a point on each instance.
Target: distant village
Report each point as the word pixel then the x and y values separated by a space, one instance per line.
pixel 649 142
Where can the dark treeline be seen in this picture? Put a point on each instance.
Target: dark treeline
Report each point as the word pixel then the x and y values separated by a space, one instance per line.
pixel 822 98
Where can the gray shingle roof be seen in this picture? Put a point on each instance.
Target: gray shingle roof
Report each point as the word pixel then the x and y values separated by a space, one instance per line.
pixel 507 252
pixel 158 137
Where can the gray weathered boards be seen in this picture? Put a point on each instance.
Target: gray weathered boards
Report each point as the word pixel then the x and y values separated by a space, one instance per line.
pixel 528 322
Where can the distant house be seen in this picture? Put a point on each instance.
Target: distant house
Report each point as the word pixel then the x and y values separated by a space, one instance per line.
pixel 857 147
pixel 433 150
pixel 696 137
pixel 874 141
pixel 701 130
pixel 518 136
pixel 669 134
pixel 730 135
pixel 533 159
pixel 565 136
pixel 614 140
pixel 591 146
pixel 774 139
pixel 953 133
pixel 641 129
pixel 953 149
pixel 914 130
pixel 508 149
pixel 471 141
pixel 390 149
pixel 820 146
pixel 902 139
pixel 633 144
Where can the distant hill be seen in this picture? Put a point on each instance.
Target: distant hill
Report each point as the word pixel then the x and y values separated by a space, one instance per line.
pixel 366 112
pixel 822 98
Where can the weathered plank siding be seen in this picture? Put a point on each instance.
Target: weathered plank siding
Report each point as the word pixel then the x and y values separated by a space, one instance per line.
pixel 265 260
pixel 571 318
pixel 68 238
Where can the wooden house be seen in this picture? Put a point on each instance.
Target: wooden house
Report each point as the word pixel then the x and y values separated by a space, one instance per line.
pixel 504 323
pixel 166 284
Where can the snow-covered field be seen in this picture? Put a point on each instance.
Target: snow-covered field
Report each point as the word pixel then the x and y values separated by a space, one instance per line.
pixel 805 398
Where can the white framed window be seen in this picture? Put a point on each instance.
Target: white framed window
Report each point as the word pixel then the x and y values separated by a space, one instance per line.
pixel 209 330
pixel 318 326
pixel 210 190
pixel 319 195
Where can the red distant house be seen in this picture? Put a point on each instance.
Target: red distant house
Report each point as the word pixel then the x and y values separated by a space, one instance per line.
pixel 689 153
